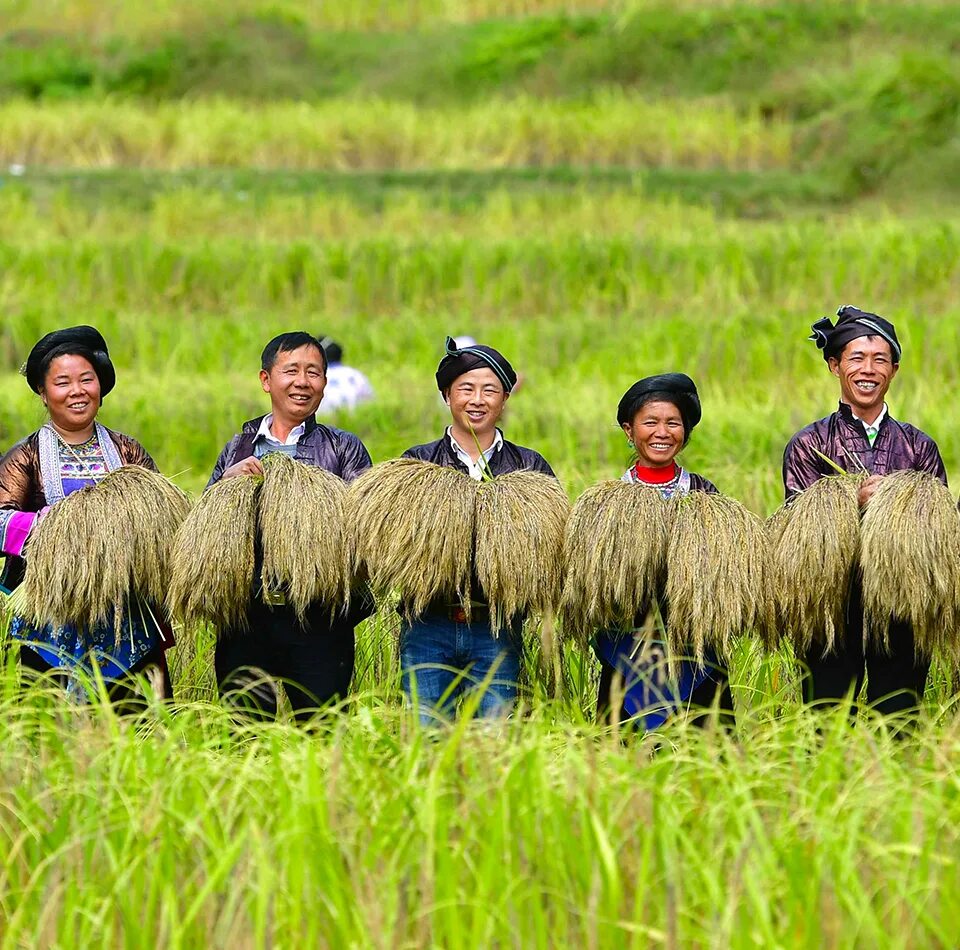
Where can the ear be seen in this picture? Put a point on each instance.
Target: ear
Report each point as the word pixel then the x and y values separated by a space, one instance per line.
pixel 834 365
pixel 896 369
pixel 627 428
pixel 265 380
pixel 446 396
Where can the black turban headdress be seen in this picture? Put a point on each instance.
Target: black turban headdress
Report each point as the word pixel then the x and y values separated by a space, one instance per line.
pixel 73 341
pixel 677 388
pixel 460 360
pixel 851 325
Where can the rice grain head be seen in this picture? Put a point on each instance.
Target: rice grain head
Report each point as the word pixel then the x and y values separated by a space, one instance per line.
pixel 124 528
pixel 213 556
pixel 518 558
pixel 413 532
pixel 615 555
pixel 815 546
pixel 910 562
pixel 718 570
pixel 304 533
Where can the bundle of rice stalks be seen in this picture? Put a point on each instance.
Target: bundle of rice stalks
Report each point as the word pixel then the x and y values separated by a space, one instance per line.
pixel 815 543
pixel 910 560
pixel 520 519
pixel 303 532
pixel 615 550
pixel 718 568
pixel 101 546
pixel 213 556
pixel 413 531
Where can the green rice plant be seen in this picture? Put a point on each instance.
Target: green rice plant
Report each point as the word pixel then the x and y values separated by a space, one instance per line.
pixel 414 525
pixel 102 546
pixel 213 557
pixel 910 562
pixel 815 545
pixel 518 556
pixel 615 557
pixel 718 576
pixel 301 519
pixel 611 128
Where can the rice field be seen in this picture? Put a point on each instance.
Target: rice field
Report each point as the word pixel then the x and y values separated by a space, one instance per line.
pixel 635 190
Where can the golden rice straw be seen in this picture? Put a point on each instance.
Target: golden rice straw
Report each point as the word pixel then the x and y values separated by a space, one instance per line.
pixel 615 551
pixel 100 546
pixel 910 558
pixel 213 556
pixel 815 543
pixel 303 532
pixel 413 528
pixel 519 544
pixel 717 576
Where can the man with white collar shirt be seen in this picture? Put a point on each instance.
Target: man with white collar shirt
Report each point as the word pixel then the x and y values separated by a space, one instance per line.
pixel 863 353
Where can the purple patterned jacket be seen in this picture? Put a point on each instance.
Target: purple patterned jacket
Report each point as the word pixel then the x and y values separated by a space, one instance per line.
pixel 841 437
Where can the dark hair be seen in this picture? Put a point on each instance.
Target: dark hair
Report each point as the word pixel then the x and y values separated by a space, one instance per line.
pixel 662 396
pixel 332 349
pixel 287 343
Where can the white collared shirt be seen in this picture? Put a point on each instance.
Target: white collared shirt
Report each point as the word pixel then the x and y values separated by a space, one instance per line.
pixel 475 469
pixel 871 429
pixel 265 432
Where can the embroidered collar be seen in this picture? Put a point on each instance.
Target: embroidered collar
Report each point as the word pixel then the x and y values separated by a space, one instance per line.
pixel 50 459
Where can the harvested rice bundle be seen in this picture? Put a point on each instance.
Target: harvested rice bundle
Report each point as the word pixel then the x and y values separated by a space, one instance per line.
pixel 213 556
pixel 303 531
pixel 717 576
pixel 519 544
pixel 615 550
pixel 413 528
pixel 815 543
pixel 910 557
pixel 101 545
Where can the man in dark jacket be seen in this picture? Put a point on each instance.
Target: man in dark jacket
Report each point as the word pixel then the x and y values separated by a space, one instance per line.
pixel 314 658
pixel 441 655
pixel 863 352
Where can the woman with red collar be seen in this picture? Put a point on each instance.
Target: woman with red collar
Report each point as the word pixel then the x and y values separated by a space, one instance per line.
pixel 657 414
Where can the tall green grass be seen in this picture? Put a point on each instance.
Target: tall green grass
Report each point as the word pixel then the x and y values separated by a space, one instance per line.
pixel 612 128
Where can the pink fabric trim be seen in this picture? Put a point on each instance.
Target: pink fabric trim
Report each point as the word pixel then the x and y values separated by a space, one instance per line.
pixel 18 528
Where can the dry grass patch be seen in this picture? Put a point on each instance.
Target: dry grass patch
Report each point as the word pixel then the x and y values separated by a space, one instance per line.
pixel 520 520
pixel 304 533
pixel 615 551
pixel 815 544
pixel 101 546
pixel 910 559
pixel 718 576
pixel 213 556
pixel 414 528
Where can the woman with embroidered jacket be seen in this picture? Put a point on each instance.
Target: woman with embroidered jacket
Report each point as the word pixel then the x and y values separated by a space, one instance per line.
pixel 71 371
pixel 657 414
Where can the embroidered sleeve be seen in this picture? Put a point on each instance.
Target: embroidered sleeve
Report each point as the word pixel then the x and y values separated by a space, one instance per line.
pixel 15 528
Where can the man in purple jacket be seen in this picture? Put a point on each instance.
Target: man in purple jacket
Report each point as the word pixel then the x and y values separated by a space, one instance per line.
pixel 441 655
pixel 863 352
pixel 314 658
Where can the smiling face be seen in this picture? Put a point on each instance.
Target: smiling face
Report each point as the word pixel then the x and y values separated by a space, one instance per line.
pixel 476 400
pixel 71 393
pixel 295 383
pixel 657 433
pixel 865 370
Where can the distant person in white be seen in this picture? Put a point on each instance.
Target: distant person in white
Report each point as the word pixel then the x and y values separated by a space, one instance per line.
pixel 346 387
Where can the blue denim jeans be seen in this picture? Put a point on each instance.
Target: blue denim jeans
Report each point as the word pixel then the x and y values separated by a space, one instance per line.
pixel 442 660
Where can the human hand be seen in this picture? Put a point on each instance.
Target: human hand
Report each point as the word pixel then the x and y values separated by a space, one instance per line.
pixel 869 486
pixel 247 466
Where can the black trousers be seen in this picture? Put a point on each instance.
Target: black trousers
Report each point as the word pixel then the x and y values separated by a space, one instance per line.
pixel 895 678
pixel 701 699
pixel 314 660
pixel 124 697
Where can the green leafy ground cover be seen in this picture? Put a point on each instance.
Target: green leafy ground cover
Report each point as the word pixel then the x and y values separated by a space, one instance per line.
pixel 604 191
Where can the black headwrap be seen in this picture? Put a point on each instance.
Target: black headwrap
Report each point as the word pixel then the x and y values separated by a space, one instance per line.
pixel 73 341
pixel 461 360
pixel 851 325
pixel 677 388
